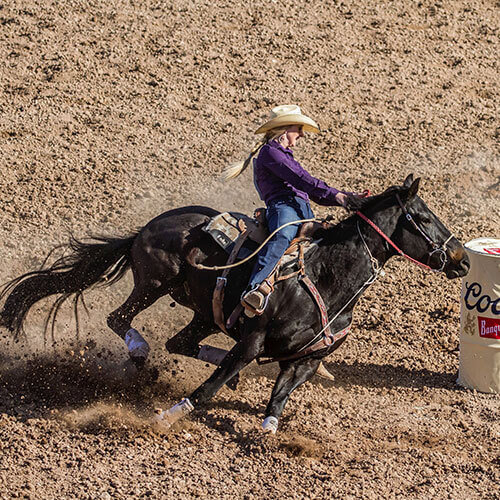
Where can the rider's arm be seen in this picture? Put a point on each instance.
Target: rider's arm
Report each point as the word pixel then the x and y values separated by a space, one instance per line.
pixel 289 170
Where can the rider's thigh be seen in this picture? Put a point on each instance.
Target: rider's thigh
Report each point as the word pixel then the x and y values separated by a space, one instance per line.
pixel 282 213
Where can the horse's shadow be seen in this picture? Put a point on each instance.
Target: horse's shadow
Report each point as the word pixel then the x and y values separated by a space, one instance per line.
pixel 359 373
pixel 387 376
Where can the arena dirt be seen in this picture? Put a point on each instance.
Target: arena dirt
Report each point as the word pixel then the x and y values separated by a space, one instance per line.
pixel 113 112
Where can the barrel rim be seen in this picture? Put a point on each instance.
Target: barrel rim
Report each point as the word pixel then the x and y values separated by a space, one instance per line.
pixel 482 252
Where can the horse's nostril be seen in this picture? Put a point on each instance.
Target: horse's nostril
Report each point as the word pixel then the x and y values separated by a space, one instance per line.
pixel 459 268
pixel 463 267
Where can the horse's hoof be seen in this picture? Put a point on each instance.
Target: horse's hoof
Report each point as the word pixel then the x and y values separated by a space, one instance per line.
pixel 270 425
pixel 136 344
pixel 324 373
pixel 168 417
pixel 159 418
pixel 233 383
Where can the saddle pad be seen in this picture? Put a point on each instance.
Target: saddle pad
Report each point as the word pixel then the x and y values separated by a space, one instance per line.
pixel 225 229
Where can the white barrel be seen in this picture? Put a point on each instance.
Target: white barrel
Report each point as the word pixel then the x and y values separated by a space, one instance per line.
pixel 480 318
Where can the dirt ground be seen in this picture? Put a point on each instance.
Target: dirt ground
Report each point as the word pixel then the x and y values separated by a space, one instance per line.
pixel 113 112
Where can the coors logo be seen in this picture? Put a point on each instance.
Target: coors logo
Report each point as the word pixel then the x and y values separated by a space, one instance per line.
pixel 475 299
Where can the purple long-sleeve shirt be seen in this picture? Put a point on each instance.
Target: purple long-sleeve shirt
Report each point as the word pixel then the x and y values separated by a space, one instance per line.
pixel 277 174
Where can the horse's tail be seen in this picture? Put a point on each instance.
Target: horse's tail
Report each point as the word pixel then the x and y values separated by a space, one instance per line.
pixel 100 262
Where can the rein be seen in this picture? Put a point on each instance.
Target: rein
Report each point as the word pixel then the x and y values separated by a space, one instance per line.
pixel 257 250
pixel 440 249
pixel 386 238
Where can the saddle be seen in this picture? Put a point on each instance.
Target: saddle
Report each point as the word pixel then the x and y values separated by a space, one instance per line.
pixel 226 228
pixel 231 231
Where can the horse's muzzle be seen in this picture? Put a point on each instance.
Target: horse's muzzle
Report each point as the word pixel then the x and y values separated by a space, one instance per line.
pixel 459 264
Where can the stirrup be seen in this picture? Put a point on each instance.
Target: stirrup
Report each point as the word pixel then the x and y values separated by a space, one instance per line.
pixel 255 301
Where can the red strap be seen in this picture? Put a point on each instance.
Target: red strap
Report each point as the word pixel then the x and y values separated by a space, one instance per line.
pixel 321 305
pixel 386 238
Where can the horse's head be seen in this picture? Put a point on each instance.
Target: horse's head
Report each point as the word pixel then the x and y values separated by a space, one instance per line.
pixel 424 237
pixel 418 231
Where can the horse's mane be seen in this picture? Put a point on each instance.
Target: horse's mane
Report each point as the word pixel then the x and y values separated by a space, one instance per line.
pixel 369 204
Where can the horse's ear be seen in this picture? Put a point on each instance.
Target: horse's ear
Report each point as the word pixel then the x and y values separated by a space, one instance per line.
pixel 413 189
pixel 408 181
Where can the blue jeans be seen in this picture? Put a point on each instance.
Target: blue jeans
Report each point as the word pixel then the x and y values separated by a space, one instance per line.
pixel 279 212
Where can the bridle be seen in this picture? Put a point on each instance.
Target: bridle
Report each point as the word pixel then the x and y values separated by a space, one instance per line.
pixel 435 248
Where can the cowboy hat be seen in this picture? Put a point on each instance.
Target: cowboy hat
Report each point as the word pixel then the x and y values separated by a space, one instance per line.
pixel 288 114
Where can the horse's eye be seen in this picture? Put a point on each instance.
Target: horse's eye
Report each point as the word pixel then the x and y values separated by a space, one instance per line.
pixel 425 220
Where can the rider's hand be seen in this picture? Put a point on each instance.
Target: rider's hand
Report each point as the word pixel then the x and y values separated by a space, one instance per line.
pixel 341 199
pixel 349 201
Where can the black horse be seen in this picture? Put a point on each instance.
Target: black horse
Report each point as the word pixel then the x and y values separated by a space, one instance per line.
pixel 163 257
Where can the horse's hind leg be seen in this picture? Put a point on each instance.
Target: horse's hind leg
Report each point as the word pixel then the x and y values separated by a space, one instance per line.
pixel 120 322
pixel 186 343
pixel 292 375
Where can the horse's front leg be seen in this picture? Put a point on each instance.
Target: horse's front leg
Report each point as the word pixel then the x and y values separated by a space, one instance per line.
pixel 292 374
pixel 243 353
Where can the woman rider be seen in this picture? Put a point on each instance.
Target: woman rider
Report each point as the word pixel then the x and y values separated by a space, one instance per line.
pixel 286 188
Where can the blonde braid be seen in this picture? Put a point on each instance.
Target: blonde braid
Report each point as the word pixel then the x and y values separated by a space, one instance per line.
pixel 238 168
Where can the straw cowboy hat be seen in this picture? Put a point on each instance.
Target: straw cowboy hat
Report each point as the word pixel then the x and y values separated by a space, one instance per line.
pixel 288 114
